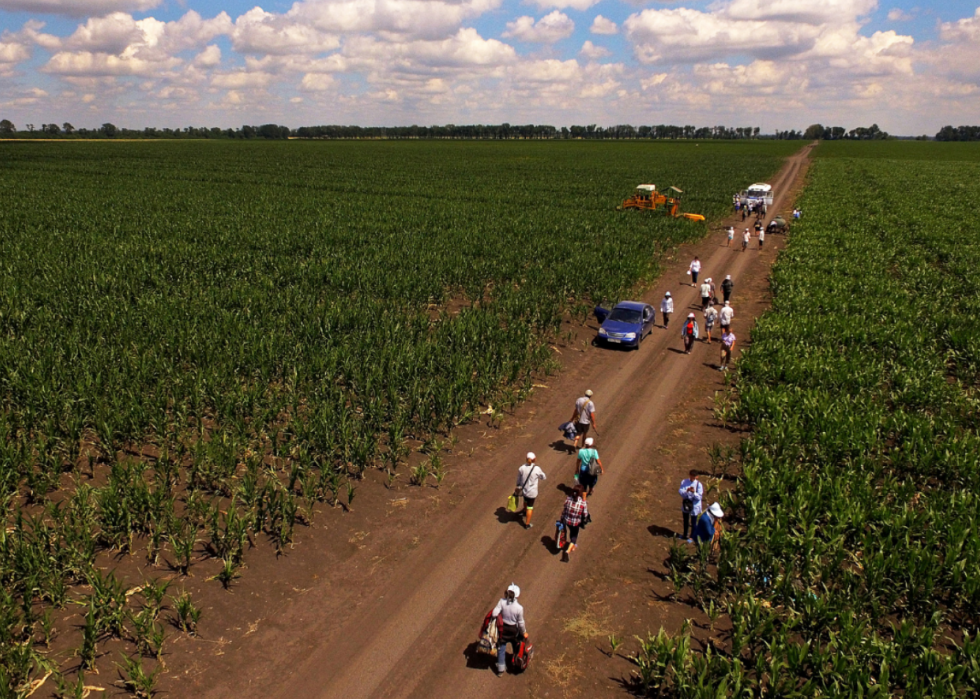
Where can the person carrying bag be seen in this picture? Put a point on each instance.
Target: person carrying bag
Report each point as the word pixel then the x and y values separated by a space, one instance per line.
pixel 528 476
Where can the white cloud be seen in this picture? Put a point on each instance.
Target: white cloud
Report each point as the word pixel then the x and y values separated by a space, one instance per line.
pixel 260 32
pixel 966 29
pixel 799 11
pixel 896 14
pixel 78 8
pixel 547 30
pixel 317 82
pixel 417 18
pixel 593 52
pixel 241 79
pixel 601 25
pixel 562 4
pixel 209 57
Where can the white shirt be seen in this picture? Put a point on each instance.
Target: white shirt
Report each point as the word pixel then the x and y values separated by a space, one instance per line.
pixel 585 408
pixel 529 475
pixel 696 266
pixel 511 612
pixel 762 235
pixel 694 497
pixel 726 315
pixel 667 305
pixel 705 290
pixel 745 236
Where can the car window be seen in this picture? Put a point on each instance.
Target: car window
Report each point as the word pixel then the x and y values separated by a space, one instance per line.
pixel 625 315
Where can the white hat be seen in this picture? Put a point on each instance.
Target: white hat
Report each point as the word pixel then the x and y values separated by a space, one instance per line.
pixel 589 393
pixel 716 510
pixel 515 589
pixel 588 441
pixel 667 294
pixel 708 279
pixel 728 276
pixel 728 303
pixel 690 315
pixel 531 456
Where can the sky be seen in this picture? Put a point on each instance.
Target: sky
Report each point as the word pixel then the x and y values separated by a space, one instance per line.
pixel 910 67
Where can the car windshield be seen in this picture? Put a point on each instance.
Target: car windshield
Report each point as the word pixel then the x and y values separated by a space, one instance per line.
pixel 625 315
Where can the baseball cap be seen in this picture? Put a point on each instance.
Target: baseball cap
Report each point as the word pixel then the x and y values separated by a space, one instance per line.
pixel 531 456
pixel 589 441
pixel 667 294
pixel 589 393
pixel 690 315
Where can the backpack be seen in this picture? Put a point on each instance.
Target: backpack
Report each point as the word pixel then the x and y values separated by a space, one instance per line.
pixel 592 465
pixel 490 634
pixel 522 658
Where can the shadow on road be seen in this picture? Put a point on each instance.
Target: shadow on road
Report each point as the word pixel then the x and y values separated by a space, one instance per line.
pixel 505 517
pixel 657 530
pixel 477 660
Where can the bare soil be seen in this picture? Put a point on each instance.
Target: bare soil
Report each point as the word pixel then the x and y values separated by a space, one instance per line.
pixel 386 599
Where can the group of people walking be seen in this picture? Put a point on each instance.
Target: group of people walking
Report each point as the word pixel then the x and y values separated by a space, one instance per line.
pixel 699 525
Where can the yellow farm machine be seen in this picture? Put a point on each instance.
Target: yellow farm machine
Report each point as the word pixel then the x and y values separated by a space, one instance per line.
pixel 647 198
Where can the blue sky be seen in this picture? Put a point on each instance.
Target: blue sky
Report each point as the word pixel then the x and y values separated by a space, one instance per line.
pixel 779 64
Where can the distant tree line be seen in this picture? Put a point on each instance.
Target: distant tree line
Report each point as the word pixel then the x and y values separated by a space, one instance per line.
pixel 475 131
pixel 107 130
pixel 960 133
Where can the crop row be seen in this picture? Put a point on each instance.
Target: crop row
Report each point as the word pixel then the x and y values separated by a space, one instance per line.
pixel 854 568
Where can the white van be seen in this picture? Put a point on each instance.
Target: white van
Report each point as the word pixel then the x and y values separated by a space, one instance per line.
pixel 757 193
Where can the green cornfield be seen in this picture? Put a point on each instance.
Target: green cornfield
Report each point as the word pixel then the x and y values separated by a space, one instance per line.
pixel 853 564
pixel 200 342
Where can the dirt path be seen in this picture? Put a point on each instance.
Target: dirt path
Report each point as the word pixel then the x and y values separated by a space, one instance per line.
pixel 407 631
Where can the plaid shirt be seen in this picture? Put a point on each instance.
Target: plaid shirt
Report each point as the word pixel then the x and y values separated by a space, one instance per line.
pixel 574 512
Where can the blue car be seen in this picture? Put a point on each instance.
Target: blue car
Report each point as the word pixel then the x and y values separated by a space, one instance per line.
pixel 626 324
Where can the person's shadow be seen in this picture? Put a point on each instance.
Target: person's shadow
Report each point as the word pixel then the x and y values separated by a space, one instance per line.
pixel 505 517
pixel 477 660
pixel 562 446
pixel 566 489
pixel 657 530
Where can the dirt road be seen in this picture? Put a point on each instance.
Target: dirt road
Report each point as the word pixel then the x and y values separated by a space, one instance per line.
pixel 409 633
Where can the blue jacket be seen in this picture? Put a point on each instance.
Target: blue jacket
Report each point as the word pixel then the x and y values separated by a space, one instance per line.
pixel 704 531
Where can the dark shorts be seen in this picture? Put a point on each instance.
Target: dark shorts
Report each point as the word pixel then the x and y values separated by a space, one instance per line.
pixel 587 480
pixel 582 428
pixel 529 502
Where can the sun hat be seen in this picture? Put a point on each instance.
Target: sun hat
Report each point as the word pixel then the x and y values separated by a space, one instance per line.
pixel 716 510
pixel 531 456
pixel 589 441
pixel 667 294
pixel 690 315
pixel 515 589
pixel 589 393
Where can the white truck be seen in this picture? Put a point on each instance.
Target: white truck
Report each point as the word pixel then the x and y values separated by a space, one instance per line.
pixel 758 193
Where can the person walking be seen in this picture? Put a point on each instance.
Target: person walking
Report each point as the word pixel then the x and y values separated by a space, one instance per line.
pixel 509 617
pixel 745 211
pixel 745 239
pixel 727 345
pixel 692 491
pixel 583 415
pixel 727 286
pixel 705 294
pixel 725 316
pixel 762 237
pixel 573 514
pixel 689 332
pixel 588 463
pixel 708 529
pixel 528 476
pixel 710 315
pixel 758 226
pixel 731 236
pixel 666 308
pixel 694 270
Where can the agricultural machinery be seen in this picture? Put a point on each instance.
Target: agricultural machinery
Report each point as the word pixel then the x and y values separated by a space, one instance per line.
pixel 647 198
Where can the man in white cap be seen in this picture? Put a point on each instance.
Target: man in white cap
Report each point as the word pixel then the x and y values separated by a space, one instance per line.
pixel 666 308
pixel 589 466
pixel 511 613
pixel 583 415
pixel 528 476
pixel 725 316
pixel 708 529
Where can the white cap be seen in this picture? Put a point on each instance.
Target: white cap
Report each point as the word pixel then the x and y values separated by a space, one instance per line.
pixel 716 510
pixel 728 303
pixel 708 279
pixel 531 456
pixel 589 393
pixel 588 441
pixel 515 589
pixel 728 276
pixel 667 294
pixel 690 315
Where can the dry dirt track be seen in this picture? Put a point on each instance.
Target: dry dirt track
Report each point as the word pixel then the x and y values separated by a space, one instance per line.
pixel 407 637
